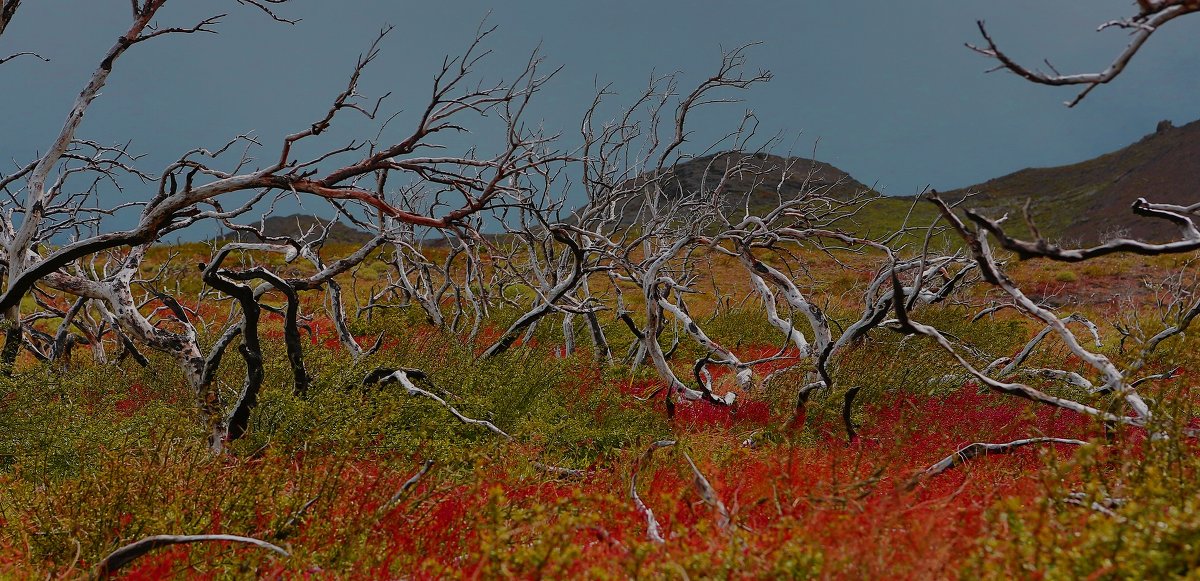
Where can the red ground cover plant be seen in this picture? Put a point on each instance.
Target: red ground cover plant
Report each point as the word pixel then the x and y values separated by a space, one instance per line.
pixel 136 398
pixel 802 500
pixel 843 505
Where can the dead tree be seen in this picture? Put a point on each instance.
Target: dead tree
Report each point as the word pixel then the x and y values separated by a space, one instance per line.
pixel 551 285
pixel 415 277
pixel 653 230
pixel 645 231
pixel 540 252
pixel 447 273
pixel 1110 378
pixel 53 196
pixel 770 244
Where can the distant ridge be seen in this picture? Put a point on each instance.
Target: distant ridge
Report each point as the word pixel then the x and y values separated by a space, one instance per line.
pixel 298 225
pixel 1080 203
pixel 1089 201
pixel 765 177
pixel 766 172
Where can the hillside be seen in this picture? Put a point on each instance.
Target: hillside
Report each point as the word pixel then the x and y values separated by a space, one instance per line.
pixel 298 225
pixel 764 173
pixel 1089 200
pixel 763 177
pixel 1079 203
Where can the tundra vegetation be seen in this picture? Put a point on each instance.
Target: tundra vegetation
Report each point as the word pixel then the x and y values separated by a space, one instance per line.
pixel 554 357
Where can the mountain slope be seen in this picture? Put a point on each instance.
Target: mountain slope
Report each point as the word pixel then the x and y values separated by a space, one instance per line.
pixel 764 177
pixel 1088 201
pixel 764 173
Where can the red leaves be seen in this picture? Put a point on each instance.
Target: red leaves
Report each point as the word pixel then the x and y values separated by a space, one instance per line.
pixel 483 513
pixel 700 416
pixel 136 399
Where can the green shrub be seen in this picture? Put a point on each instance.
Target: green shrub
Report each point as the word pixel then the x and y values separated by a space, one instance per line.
pixel 1066 276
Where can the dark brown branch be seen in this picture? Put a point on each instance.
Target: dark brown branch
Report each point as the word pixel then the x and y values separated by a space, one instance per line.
pixel 847 412
pixel 238 420
pixel 125 555
pixel 1044 249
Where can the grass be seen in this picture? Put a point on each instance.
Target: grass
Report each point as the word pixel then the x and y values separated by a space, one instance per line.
pixel 95 456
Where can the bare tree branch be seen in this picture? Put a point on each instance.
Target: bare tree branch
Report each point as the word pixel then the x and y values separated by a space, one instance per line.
pixel 121 557
pixel 1153 14
pixel 653 529
pixel 978 449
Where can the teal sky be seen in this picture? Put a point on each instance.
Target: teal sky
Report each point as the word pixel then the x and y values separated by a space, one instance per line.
pixel 887 87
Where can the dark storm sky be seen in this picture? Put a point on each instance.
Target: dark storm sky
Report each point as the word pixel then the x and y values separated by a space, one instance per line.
pixel 886 85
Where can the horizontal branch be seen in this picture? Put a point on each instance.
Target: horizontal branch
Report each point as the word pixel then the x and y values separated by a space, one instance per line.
pixel 978 449
pixel 128 553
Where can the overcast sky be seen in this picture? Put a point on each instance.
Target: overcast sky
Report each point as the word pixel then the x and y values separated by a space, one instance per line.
pixel 886 86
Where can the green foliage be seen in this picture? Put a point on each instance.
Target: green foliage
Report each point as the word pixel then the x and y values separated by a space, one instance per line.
pixel 747 326
pixel 94 456
pixel 1065 276
pixel 1124 516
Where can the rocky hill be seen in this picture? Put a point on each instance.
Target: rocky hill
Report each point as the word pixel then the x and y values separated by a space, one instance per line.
pixel 1083 202
pixel 1088 201
pixel 763 178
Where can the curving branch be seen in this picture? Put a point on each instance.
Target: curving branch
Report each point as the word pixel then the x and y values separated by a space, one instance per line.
pixel 406 376
pixel 291 328
pixel 709 494
pixel 1042 248
pixel 1151 16
pixel 547 303
pixel 238 420
pixel 978 449
pixel 653 529
pixel 408 485
pixel 125 555
pixel 8 9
